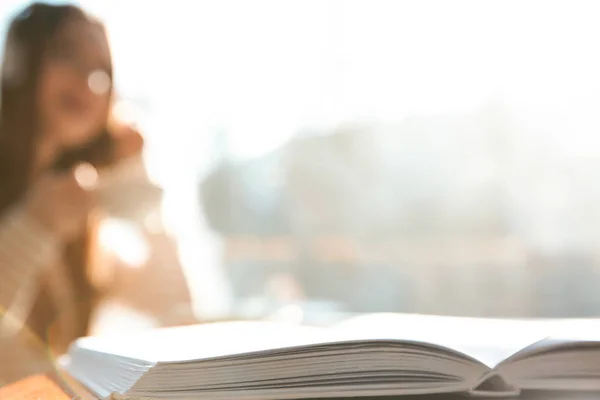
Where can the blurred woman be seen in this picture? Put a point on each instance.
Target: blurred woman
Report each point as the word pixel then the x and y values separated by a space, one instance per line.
pixel 56 94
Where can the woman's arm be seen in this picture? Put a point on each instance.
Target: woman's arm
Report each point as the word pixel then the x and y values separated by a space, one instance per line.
pixel 26 247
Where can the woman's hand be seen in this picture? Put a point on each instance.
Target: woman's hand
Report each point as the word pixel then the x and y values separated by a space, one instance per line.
pixel 60 203
pixel 129 142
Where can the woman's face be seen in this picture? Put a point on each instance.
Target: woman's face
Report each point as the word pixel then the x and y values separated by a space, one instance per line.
pixel 75 86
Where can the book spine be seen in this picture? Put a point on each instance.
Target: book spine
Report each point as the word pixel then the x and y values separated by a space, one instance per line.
pixel 493 384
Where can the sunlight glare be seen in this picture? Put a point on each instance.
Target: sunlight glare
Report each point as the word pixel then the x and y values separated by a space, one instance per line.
pixel 126 241
pixel 86 176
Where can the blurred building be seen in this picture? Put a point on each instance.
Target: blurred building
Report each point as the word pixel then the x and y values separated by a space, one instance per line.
pixel 435 214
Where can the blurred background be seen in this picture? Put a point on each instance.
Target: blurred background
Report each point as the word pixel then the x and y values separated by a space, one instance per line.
pixel 328 157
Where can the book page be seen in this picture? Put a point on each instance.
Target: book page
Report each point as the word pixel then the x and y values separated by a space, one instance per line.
pixel 206 341
pixel 560 333
pixel 489 341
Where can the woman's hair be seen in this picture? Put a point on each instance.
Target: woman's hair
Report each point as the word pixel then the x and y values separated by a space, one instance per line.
pixel 29 37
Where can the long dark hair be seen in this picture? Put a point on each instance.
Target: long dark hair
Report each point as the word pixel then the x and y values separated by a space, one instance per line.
pixel 28 39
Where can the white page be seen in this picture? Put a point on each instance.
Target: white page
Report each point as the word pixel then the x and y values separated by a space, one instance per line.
pixel 473 337
pixel 489 341
pixel 206 341
pixel 562 332
pixel 235 338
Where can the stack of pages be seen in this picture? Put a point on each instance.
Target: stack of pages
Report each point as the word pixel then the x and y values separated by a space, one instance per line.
pixel 366 356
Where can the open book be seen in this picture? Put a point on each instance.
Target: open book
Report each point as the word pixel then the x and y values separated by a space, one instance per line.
pixel 366 356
